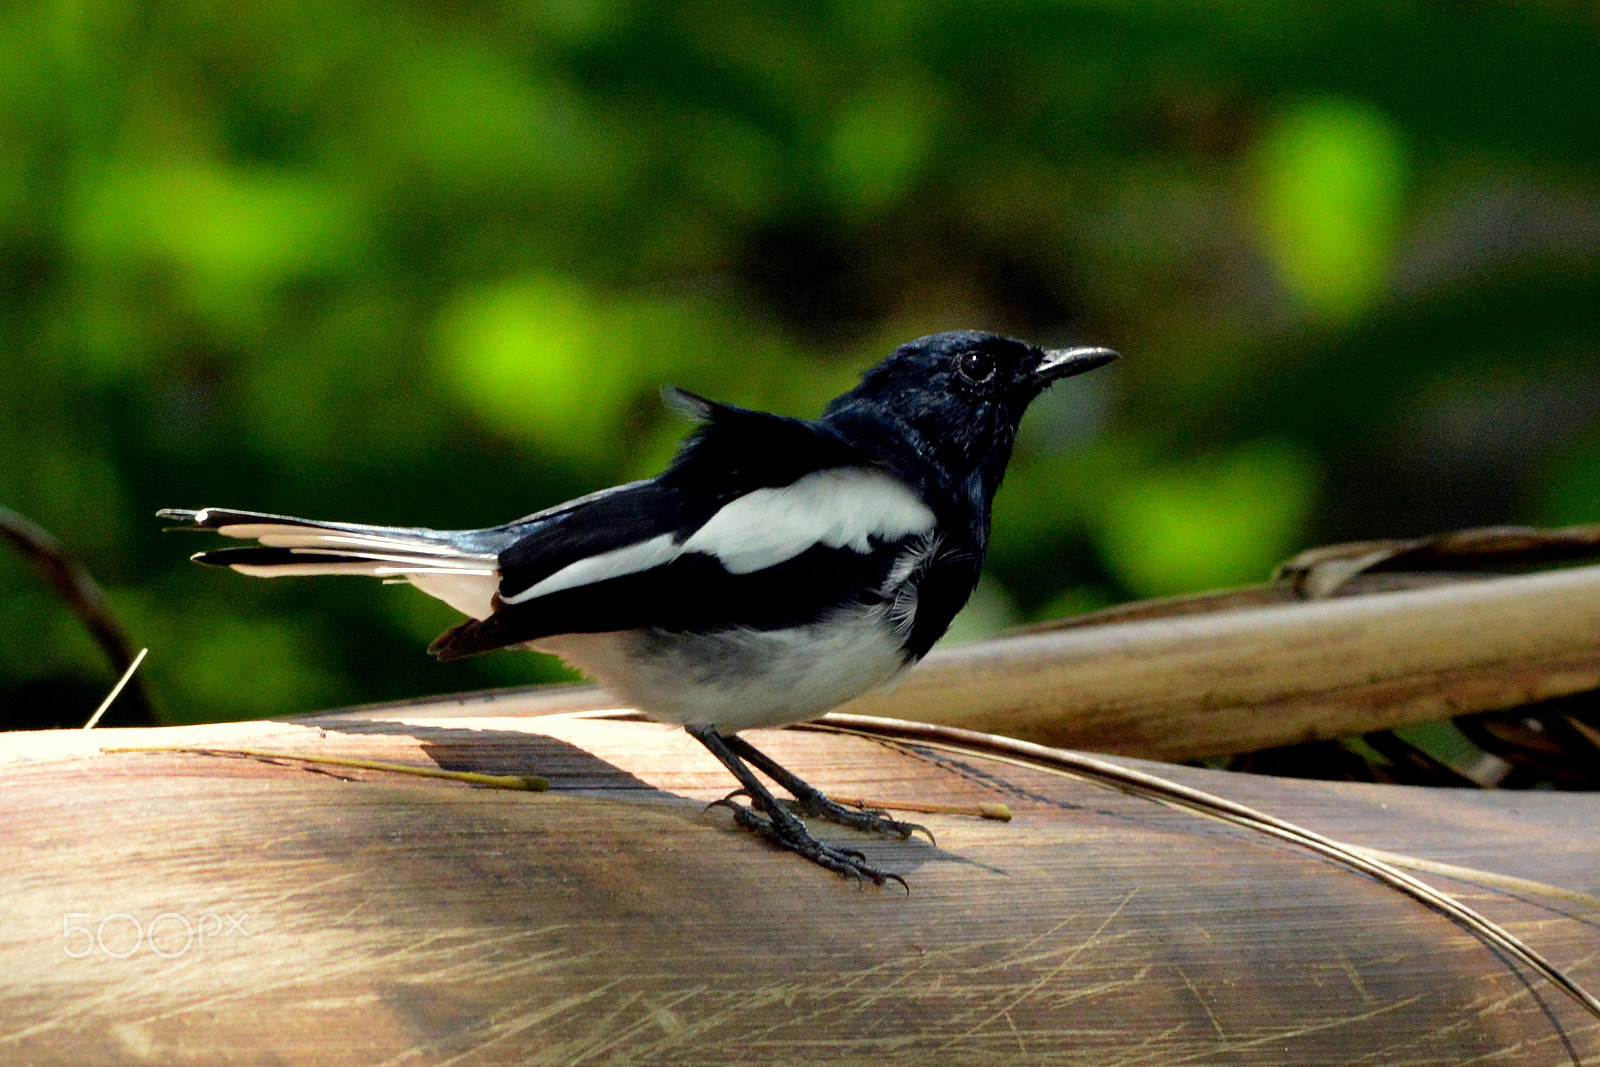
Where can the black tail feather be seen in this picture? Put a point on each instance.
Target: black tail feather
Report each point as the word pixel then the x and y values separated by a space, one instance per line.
pixel 267 557
pixel 471 637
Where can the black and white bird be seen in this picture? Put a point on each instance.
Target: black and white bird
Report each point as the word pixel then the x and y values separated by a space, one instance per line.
pixel 777 568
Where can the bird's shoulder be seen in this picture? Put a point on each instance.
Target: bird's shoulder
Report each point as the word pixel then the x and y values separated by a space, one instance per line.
pixel 734 449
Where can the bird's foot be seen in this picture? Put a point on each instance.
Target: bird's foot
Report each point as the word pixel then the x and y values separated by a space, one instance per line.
pixel 814 804
pixel 787 832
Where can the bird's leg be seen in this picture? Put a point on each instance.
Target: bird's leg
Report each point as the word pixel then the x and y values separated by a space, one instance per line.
pixel 813 802
pixel 779 825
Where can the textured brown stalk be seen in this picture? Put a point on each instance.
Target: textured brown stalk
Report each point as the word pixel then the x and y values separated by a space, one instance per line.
pixel 383 918
pixel 82 594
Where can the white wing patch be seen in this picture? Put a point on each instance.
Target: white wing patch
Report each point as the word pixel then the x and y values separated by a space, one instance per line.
pixel 630 559
pixel 843 507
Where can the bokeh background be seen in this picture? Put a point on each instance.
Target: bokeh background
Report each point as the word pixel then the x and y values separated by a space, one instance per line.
pixel 428 263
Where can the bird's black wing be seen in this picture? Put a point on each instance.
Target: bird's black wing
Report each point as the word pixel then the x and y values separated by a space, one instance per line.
pixel 761 521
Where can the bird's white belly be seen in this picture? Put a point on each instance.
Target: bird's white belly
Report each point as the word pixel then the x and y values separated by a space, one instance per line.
pixel 741 679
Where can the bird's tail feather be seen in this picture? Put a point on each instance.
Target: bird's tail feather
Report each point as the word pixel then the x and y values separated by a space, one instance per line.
pixel 433 560
pixel 288 532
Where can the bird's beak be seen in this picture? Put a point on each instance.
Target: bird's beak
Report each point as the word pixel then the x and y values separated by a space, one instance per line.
pixel 1065 362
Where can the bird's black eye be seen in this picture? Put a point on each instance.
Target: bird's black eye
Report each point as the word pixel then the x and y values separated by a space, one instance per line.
pixel 975 367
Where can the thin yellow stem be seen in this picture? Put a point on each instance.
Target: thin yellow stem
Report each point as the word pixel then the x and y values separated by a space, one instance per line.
pixel 530 783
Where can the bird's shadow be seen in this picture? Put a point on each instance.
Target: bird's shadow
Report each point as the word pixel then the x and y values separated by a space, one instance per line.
pixel 575 771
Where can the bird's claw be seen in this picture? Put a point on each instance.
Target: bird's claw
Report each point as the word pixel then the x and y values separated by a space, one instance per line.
pixel 868 820
pixel 842 861
pixel 727 801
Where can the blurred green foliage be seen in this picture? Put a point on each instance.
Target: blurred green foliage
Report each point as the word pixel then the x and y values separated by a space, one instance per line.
pixel 428 264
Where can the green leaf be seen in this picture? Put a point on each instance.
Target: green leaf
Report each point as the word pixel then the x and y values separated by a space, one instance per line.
pixel 1333 177
pixel 1217 522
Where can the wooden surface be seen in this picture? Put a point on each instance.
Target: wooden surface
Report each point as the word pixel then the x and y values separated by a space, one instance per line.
pixel 383 919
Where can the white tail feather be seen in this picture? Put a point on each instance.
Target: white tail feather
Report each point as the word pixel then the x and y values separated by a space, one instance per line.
pixel 469 593
pixel 469 590
pixel 467 581
pixel 407 562
pixel 293 570
pixel 282 535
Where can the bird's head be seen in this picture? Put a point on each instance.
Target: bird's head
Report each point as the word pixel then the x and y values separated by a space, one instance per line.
pixel 959 397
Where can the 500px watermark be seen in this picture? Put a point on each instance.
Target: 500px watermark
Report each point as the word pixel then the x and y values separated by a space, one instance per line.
pixel 168 935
